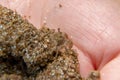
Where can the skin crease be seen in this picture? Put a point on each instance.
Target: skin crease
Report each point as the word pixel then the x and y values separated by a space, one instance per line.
pixel 93 26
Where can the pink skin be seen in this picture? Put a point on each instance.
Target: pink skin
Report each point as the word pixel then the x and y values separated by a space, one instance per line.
pixel 93 25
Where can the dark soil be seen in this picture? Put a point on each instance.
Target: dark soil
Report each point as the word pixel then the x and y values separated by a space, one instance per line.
pixel 27 53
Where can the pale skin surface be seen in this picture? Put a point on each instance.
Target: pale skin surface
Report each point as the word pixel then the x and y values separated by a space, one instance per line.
pixel 93 25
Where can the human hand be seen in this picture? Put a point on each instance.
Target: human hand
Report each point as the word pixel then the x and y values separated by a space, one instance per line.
pixel 93 26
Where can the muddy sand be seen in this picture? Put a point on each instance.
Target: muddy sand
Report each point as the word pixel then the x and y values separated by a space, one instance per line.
pixel 27 53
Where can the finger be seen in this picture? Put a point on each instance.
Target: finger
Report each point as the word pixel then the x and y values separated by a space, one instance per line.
pixel 90 25
pixel 111 70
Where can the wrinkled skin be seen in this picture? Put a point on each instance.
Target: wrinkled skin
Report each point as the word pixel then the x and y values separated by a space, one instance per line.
pixel 93 25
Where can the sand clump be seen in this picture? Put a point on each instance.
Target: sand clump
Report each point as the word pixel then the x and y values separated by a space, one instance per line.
pixel 27 53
